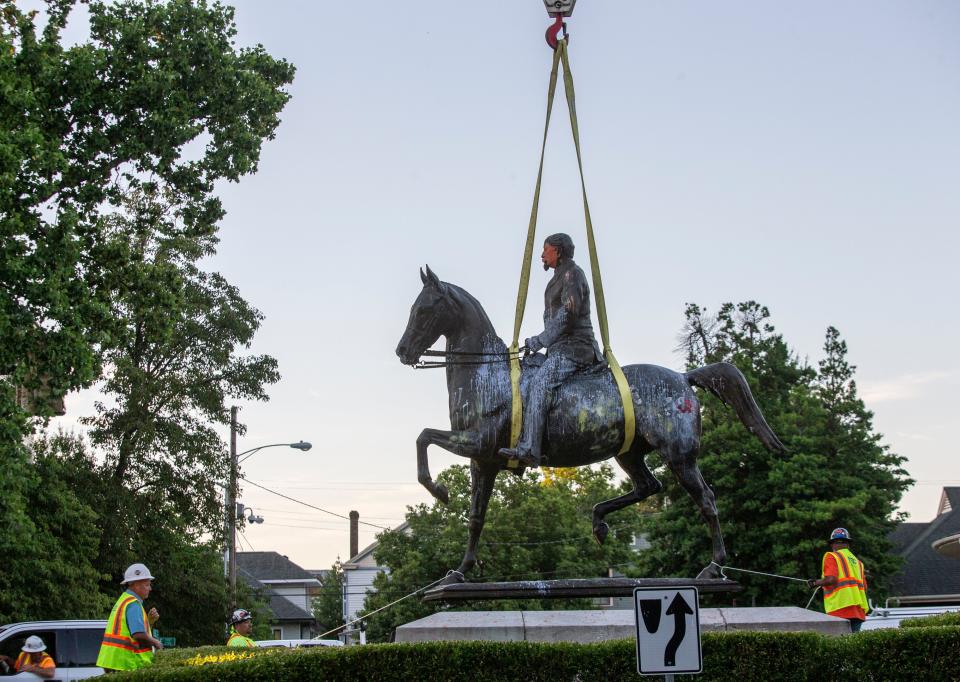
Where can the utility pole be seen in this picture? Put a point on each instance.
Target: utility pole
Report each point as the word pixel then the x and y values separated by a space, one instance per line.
pixel 232 510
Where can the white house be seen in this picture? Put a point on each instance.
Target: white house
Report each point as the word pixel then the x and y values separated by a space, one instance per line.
pixel 358 574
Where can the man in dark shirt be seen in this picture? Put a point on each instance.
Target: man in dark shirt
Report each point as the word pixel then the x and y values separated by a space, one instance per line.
pixel 568 338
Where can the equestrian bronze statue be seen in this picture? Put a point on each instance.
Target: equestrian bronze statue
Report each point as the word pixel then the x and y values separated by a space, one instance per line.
pixel 584 423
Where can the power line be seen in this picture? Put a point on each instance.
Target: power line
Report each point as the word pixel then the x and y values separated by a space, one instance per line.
pixel 312 506
pixel 311 514
pixel 244 539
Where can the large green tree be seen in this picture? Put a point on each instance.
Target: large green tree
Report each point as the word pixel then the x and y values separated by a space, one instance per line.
pixel 536 528
pixel 158 94
pixel 174 362
pixel 776 510
pixel 158 104
pixel 66 572
pixel 54 573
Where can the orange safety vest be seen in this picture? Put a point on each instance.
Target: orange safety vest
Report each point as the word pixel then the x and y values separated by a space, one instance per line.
pixel 849 590
pixel 24 658
pixel 119 650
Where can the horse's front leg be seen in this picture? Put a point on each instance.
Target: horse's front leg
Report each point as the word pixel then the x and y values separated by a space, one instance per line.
pixel 482 478
pixel 463 443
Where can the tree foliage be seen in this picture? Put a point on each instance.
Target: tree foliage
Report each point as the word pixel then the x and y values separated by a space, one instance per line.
pixel 536 528
pixel 158 95
pixel 173 360
pixel 777 510
pixel 328 607
pixel 109 154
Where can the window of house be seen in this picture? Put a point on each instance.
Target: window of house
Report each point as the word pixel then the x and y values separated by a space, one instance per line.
pixel 277 633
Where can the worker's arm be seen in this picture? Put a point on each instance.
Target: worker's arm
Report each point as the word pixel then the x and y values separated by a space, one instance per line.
pixel 830 570
pixel 44 672
pixel 825 581
pixel 148 640
pixel 140 627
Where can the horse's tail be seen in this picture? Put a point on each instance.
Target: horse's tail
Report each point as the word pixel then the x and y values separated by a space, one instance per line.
pixel 727 383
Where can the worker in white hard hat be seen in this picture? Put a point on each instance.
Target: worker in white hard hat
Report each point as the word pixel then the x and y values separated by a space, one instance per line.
pixel 128 641
pixel 33 658
pixel 241 625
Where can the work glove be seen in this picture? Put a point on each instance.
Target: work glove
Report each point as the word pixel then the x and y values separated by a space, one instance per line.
pixel 812 582
pixel 533 344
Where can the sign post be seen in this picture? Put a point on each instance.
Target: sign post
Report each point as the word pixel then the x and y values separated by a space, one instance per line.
pixel 668 631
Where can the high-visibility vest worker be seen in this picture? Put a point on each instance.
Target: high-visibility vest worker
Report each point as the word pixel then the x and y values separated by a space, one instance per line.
pixel 844 581
pixel 241 624
pixel 33 659
pixel 127 641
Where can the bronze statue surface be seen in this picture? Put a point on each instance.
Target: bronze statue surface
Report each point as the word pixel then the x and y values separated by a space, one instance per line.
pixel 585 421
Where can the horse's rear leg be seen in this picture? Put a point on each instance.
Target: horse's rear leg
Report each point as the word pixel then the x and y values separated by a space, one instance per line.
pixel 464 443
pixel 645 484
pixel 683 463
pixel 482 479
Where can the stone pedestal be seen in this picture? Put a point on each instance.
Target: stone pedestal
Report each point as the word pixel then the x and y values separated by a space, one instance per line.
pixel 601 625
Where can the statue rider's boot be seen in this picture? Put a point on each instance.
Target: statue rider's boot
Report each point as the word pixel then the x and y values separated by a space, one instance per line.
pixel 523 455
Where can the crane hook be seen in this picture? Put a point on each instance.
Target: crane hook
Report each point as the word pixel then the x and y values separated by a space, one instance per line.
pixel 553 31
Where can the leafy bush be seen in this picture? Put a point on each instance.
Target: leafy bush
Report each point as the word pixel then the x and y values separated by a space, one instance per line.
pixel 917 653
pixel 952 618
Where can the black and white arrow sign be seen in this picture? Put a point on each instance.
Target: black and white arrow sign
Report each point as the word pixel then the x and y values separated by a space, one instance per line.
pixel 668 630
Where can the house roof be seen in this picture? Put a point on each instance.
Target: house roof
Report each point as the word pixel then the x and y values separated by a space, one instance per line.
pixel 925 571
pixel 282 608
pixel 270 566
pixel 286 610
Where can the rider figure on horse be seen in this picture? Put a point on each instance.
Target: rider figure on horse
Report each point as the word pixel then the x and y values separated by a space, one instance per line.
pixel 568 338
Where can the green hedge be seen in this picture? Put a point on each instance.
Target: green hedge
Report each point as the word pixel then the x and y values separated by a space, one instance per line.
pixel 895 654
pixel 952 618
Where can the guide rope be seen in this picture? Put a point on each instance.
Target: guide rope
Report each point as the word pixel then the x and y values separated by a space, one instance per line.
pixel 768 575
pixel 396 601
pixel 560 56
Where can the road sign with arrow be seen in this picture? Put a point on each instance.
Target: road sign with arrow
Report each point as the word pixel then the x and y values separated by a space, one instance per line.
pixel 668 630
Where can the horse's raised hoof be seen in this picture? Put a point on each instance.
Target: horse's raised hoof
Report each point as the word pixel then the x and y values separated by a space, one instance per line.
pixel 711 571
pixel 453 578
pixel 600 532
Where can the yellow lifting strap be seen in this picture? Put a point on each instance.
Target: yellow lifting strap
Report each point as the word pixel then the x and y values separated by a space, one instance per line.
pixel 629 420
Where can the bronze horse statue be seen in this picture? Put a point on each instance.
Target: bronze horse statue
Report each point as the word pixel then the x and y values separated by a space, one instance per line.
pixel 585 424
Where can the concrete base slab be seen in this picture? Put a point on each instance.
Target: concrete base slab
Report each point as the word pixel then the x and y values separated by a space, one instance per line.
pixel 598 626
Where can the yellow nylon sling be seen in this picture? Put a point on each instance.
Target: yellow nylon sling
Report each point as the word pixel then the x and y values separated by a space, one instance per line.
pixel 629 420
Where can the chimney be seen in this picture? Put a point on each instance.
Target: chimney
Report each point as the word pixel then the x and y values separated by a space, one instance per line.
pixel 354 533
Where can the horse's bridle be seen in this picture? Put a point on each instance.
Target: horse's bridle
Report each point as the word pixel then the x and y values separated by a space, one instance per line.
pixel 505 356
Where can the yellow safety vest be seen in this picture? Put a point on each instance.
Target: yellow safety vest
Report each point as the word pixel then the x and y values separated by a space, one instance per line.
pixel 849 590
pixel 236 639
pixel 119 650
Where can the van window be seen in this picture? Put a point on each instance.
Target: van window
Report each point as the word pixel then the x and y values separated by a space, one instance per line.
pixel 13 645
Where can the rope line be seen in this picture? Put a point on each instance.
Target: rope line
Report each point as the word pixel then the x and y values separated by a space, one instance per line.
pixel 397 601
pixel 768 575
pixel 744 570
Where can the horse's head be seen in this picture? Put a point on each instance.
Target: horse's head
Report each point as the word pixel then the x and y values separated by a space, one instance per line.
pixel 431 316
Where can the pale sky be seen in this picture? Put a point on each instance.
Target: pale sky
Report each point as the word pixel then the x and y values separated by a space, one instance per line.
pixel 803 155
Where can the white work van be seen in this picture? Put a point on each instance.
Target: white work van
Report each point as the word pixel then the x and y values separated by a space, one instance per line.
pixel 73 645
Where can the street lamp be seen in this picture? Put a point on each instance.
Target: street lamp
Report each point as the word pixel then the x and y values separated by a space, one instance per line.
pixel 231 497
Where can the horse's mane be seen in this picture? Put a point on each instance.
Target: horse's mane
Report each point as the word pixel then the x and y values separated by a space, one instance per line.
pixel 465 299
